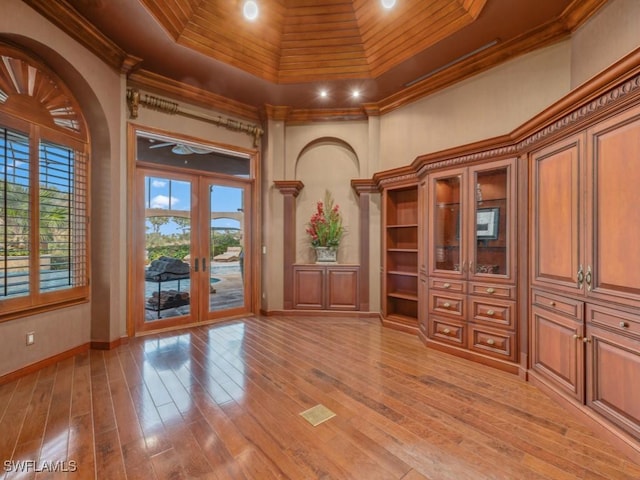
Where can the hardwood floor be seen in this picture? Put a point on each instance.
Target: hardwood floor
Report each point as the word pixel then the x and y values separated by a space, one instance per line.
pixel 224 402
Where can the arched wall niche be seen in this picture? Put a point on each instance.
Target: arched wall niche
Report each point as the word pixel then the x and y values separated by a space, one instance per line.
pixel 100 140
pixel 327 163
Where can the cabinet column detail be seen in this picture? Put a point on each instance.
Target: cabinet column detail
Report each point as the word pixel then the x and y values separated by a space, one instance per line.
pixel 290 189
pixel 364 189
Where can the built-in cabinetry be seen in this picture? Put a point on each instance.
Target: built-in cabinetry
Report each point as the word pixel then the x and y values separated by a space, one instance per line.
pixel 585 275
pixel 470 289
pixel 400 257
pixel 326 287
pixel 524 251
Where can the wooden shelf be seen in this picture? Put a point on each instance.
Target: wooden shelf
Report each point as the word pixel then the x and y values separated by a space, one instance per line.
pixel 400 308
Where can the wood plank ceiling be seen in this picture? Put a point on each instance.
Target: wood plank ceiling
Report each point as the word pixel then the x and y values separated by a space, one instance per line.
pixel 204 51
pixel 300 41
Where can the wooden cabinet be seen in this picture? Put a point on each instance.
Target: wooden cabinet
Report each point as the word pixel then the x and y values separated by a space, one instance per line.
pixel 557 347
pixel 400 258
pixel 326 287
pixel 471 262
pixel 613 346
pixel 584 225
pixel 585 214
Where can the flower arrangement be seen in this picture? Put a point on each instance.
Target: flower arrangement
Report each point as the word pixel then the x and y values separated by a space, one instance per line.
pixel 325 226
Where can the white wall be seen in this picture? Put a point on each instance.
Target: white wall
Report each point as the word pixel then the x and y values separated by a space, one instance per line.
pixel 490 104
pixel 608 36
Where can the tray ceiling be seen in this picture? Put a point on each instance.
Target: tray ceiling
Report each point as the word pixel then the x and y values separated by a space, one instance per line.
pixel 204 50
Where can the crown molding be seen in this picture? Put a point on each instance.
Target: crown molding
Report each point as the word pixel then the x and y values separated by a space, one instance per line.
pixel 65 17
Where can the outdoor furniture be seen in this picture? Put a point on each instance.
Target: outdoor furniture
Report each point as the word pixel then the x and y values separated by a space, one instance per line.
pixel 231 255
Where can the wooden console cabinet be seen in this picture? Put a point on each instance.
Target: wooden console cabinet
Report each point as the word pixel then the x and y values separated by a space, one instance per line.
pixel 326 287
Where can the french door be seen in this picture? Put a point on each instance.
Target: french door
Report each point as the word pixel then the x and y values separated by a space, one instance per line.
pixel 190 250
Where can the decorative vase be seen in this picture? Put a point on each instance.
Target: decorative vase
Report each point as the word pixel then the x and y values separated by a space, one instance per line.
pixel 326 255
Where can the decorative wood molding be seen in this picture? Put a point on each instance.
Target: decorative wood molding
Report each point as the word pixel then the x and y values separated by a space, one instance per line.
pixel 364 185
pixel 135 100
pixel 406 174
pixel 289 187
pixel 65 17
pixel 325 115
pixel 145 80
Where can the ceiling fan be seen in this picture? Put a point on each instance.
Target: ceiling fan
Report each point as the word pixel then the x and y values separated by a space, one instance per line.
pixel 182 148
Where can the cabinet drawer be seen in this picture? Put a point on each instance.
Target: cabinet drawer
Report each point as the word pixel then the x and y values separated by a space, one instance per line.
pixel 558 304
pixel 447 331
pixel 448 304
pixel 620 322
pixel 493 290
pixel 455 286
pixel 491 342
pixel 496 313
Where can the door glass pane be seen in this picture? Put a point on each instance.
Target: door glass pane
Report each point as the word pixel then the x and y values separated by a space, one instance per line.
pixel 491 225
pixel 226 251
pixel 447 224
pixel 167 248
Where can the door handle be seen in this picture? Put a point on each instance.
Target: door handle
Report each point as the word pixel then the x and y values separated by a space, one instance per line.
pixel 195 267
pixel 204 265
pixel 580 277
pixel 588 278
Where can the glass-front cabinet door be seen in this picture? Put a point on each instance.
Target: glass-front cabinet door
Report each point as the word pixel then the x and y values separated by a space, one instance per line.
pixel 472 228
pixel 492 194
pixel 446 244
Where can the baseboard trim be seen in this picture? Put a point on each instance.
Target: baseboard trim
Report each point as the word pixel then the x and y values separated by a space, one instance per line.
pixel 95 345
pixel 24 371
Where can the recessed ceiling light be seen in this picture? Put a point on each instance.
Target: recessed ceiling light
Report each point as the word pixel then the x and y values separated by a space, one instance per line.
pixel 388 4
pixel 324 93
pixel 355 93
pixel 250 10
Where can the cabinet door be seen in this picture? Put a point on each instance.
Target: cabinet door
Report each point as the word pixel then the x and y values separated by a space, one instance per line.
pixel 557 351
pixel 446 213
pixel 613 196
pixel 308 287
pixel 613 388
pixel 342 288
pixel 492 194
pixel 557 239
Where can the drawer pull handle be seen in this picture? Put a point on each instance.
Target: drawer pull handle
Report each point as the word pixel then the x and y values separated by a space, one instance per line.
pixel 491 341
pixel 490 312
pixel 552 303
pixel 491 290
pixel 624 324
pixel 446 285
pixel 446 331
pixel 446 305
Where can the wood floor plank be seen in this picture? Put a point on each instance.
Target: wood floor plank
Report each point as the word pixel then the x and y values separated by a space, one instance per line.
pixel 223 402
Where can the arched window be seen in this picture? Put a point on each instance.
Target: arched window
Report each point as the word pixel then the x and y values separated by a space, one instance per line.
pixel 43 189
